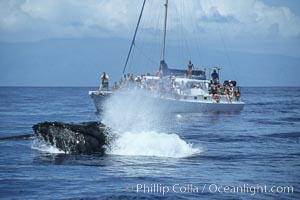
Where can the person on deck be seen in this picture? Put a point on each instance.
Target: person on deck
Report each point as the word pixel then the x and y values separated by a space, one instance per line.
pixel 215 93
pixel 228 94
pixel 104 78
pixel 115 87
pixel 215 77
pixel 190 69
pixel 237 94
pixel 160 72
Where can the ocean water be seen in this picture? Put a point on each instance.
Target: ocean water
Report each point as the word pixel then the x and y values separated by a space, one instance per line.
pixel 252 154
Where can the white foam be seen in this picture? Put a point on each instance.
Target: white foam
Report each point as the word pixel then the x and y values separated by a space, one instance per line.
pixel 152 144
pixel 44 147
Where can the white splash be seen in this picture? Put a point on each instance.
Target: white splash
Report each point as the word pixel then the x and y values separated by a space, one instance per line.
pixel 178 116
pixel 152 144
pixel 44 147
pixel 136 121
pixel 131 111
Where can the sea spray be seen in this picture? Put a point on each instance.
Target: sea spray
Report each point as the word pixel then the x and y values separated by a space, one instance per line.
pixel 137 121
pixel 45 147
pixel 132 111
pixel 152 144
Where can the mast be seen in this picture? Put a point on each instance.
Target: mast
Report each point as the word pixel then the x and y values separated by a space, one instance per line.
pixel 133 39
pixel 165 32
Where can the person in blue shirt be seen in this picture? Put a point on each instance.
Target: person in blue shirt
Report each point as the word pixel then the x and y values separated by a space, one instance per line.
pixel 215 77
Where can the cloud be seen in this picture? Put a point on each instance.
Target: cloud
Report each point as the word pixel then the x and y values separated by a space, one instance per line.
pixel 68 18
pixel 251 17
pixel 215 16
pixel 35 19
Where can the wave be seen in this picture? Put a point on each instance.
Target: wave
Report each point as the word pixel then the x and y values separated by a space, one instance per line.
pixel 288 135
pixel 233 139
pixel 291 119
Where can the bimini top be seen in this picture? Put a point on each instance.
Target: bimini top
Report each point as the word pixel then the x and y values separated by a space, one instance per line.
pixel 197 74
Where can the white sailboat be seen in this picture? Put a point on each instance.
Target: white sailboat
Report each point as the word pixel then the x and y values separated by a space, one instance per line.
pixel 179 91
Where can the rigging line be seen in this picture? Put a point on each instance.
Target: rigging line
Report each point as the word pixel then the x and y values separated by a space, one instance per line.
pixel 181 36
pixel 184 38
pixel 131 58
pixel 133 40
pixel 195 33
pixel 145 55
pixel 225 47
pixel 181 33
pixel 226 51
pixel 143 28
pixel 180 39
pixel 178 52
pixel 149 51
pixel 148 21
pixel 154 49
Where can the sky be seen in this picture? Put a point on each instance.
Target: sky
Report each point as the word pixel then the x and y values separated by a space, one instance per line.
pixel 244 31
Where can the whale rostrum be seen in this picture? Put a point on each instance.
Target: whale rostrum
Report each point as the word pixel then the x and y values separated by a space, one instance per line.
pixel 87 137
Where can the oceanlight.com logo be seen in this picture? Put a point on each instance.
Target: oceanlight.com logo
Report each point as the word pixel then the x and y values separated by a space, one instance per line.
pixel 162 189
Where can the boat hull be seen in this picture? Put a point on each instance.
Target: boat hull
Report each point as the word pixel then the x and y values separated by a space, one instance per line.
pixel 180 106
pixel 99 98
pixel 175 105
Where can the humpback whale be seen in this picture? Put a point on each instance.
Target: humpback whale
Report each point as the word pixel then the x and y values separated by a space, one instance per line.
pixel 83 138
